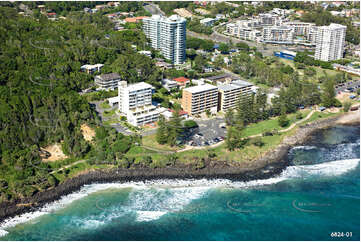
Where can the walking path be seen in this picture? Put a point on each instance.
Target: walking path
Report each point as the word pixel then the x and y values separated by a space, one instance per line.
pixel 188 147
pixel 68 166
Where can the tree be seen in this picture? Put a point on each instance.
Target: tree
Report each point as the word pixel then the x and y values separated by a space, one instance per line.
pixel 229 117
pixel 190 124
pixel 199 63
pixel 223 48
pixel 328 94
pixel 174 128
pixel 287 69
pixel 234 138
pixel 282 119
pixel 242 46
pixel 219 62
pixel 161 135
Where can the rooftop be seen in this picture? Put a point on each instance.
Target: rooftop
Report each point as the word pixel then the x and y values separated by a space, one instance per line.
pixel 242 83
pixel 171 19
pixel 139 86
pixel 213 78
pixel 228 87
pixel 92 66
pixel 109 76
pixel 333 26
pixel 135 19
pixel 201 88
pixel 181 79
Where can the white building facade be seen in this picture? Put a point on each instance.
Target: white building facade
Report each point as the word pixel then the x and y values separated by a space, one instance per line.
pixel 330 42
pixel 167 35
pixel 135 101
pixel 278 35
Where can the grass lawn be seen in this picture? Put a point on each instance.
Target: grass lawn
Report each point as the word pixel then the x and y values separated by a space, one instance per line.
pixel 318 115
pixel 150 141
pixel 248 153
pixel 319 71
pixel 111 121
pixel 271 124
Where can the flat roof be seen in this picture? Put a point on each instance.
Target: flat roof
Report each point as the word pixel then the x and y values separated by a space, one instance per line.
pixel 242 83
pixel 200 88
pixel 228 87
pixel 109 76
pixel 139 86
pixel 219 77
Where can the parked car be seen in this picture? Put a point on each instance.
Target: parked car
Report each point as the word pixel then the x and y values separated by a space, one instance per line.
pixel 352 97
pixel 322 109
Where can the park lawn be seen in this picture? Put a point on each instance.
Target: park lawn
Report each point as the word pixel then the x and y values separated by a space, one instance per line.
pixel 271 124
pixel 319 115
pixel 251 152
pixel 248 153
pixel 287 62
pixel 321 72
pixel 150 141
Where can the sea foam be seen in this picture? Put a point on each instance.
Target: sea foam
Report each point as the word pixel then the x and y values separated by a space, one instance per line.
pixel 182 192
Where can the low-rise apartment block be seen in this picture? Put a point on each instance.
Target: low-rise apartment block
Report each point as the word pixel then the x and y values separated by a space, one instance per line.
pixel 230 94
pixel 90 69
pixel 278 35
pixel 198 99
pixel 107 81
pixel 208 21
pixel 300 28
pixel 169 84
pixel 135 101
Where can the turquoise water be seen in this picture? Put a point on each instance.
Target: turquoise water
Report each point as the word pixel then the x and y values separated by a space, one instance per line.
pixel 317 195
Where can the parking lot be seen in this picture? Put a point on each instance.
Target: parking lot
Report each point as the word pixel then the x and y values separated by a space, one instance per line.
pixel 209 132
pixel 348 87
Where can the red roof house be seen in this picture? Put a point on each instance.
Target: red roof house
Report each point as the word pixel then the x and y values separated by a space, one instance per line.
pixel 181 81
pixel 135 19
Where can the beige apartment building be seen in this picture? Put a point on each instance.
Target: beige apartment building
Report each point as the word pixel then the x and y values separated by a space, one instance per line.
pixel 229 94
pixel 198 99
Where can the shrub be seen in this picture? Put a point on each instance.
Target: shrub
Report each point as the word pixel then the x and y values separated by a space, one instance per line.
pixel 283 121
pixel 346 106
pixel 257 141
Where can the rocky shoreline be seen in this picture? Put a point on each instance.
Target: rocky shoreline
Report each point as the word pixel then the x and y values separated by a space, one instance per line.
pixel 271 164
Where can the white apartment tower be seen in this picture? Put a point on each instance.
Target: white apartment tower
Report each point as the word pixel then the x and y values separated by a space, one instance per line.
pixel 167 35
pixel 135 101
pixel 330 41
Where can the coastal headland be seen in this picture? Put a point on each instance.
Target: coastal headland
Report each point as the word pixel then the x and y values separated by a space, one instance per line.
pixel 269 165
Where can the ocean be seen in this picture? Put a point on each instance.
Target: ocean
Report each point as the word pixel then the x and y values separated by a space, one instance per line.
pixel 317 197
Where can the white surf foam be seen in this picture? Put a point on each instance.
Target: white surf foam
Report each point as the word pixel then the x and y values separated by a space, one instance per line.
pixel 3 232
pixel 183 191
pixel 145 216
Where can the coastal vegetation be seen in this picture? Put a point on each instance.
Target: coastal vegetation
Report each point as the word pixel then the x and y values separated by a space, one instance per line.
pixel 40 101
